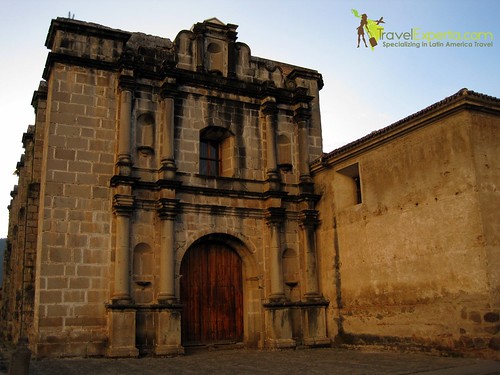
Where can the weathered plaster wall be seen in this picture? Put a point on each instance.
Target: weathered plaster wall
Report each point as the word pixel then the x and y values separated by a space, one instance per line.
pixel 412 260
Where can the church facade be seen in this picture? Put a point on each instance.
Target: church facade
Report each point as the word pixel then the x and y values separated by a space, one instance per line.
pixel 175 194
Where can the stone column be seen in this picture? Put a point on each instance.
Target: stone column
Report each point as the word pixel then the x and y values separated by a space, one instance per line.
pixel 168 167
pixel 121 318
pixel 168 316
pixel 167 211
pixel 302 116
pixel 122 206
pixel 124 161
pixel 277 311
pixel 313 309
pixel 269 110
pixel 309 221
pixel 275 217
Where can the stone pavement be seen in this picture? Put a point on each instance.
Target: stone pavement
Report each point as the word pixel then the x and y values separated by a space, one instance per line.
pixel 243 361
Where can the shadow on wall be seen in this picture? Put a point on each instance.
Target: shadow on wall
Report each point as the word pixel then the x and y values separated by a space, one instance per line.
pixel 3 244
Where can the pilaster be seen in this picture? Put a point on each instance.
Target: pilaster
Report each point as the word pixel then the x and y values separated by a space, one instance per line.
pixel 126 89
pixel 122 208
pixel 167 211
pixel 168 331
pixel 122 327
pixel 308 223
pixel 168 167
pixel 274 219
pixel 269 110
pixel 302 115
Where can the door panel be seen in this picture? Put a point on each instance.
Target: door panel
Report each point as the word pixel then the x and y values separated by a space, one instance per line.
pixel 211 292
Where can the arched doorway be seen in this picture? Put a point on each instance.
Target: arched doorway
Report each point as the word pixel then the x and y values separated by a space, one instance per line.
pixel 211 294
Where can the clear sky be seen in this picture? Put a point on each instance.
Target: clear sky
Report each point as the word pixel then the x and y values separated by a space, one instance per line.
pixel 364 90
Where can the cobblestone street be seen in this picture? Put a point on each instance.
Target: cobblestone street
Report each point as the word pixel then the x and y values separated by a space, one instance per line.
pixel 311 361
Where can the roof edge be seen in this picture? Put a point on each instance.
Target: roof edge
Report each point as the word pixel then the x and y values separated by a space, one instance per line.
pixel 463 94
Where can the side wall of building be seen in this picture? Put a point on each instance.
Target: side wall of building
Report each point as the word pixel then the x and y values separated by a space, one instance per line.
pixel 75 211
pixel 486 153
pixel 408 258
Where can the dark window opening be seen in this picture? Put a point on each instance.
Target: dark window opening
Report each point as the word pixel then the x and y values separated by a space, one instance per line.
pixel 351 184
pixel 358 189
pixel 209 158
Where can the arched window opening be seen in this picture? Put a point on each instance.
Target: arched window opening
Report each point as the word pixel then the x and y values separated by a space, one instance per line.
pixel 216 152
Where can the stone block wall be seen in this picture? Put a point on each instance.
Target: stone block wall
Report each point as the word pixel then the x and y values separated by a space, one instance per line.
pixel 74 241
pixel 117 160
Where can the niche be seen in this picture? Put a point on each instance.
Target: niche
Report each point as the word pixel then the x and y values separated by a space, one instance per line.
pixel 142 273
pixel 291 274
pixel 215 60
pixel 349 186
pixel 145 132
pixel 284 153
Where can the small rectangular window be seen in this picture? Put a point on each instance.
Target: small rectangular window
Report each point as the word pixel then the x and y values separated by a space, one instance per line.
pixel 350 188
pixel 209 158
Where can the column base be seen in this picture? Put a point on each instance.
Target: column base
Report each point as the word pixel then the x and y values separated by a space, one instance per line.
pixel 122 352
pixel 314 326
pixel 168 350
pixel 280 344
pixel 122 329
pixel 124 300
pixel 279 328
pixel 168 332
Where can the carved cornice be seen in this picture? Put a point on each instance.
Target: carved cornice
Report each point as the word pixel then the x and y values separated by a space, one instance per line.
pixel 268 105
pixel 167 208
pixel 39 95
pixel 117 180
pixel 301 112
pixel 62 58
pixel 123 204
pixel 309 218
pixel 169 88
pixel 275 215
pixel 126 82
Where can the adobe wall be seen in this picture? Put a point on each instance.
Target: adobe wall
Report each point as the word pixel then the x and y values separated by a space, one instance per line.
pixel 486 154
pixel 412 262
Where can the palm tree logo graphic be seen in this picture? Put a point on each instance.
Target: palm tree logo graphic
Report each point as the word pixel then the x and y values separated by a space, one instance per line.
pixel 372 27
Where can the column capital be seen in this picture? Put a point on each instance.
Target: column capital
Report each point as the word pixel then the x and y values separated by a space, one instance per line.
pixel 123 204
pixel 126 82
pixel 268 105
pixel 167 208
pixel 301 112
pixel 275 215
pixel 309 218
pixel 168 88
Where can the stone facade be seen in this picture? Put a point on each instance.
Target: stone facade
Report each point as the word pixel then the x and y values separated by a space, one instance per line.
pixel 146 150
pixel 125 193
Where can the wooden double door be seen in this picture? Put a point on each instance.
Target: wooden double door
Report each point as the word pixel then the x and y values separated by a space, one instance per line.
pixel 212 296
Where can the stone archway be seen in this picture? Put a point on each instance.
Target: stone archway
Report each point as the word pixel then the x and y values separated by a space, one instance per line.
pixel 212 294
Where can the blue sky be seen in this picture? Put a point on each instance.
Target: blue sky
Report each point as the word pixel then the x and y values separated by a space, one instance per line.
pixel 364 90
